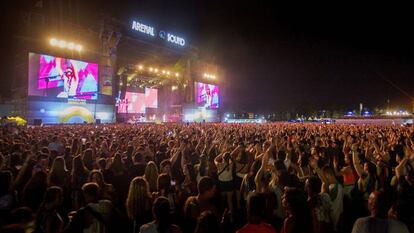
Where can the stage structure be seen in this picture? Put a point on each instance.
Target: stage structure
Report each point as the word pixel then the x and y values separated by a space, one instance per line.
pixel 124 71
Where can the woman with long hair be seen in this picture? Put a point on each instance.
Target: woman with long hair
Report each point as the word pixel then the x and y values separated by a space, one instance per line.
pixel 165 189
pixel 248 185
pixel 48 219
pixel 189 185
pixel 78 177
pixel 348 173
pixel 151 175
pixel 7 195
pixel 117 165
pixel 302 168
pixel 320 206
pixel 139 202
pixel 299 218
pixel 117 175
pixel 58 174
pixel 267 182
pixel 68 157
pixel 34 190
pixel 88 159
pixel 107 191
pixel 368 179
pixel 202 168
pixel 241 169
pixel 162 219
pixel 74 149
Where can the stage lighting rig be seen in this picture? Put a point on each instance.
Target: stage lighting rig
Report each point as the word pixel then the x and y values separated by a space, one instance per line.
pixel 65 45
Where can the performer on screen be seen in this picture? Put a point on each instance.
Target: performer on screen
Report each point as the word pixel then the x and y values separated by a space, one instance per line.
pixel 206 95
pixel 69 74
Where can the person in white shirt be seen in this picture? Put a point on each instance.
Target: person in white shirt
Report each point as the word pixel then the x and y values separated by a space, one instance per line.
pixel 377 222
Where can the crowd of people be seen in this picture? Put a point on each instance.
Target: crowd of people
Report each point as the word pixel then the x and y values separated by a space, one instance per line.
pixel 210 177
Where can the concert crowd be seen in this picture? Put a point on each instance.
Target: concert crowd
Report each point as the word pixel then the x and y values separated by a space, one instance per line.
pixel 204 178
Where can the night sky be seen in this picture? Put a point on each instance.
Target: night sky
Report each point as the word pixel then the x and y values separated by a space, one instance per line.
pixel 281 57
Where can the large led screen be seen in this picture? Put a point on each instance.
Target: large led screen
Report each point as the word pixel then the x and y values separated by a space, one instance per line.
pixel 207 95
pixel 137 102
pixel 51 76
pixel 151 98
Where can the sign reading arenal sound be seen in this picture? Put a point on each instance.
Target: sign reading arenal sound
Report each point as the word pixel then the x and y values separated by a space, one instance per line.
pixel 140 27
pixel 163 35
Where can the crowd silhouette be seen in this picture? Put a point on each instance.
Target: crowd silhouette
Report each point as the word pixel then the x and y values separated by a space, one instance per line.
pixel 210 177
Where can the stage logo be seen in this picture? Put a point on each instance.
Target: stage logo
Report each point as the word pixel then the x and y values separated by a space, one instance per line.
pixel 137 26
pixel 175 39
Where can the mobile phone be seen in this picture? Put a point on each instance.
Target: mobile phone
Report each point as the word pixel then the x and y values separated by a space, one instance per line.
pixel 83 141
pixel 173 183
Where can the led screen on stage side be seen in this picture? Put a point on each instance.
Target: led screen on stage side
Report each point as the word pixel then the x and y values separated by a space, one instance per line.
pixel 151 98
pixel 207 95
pixel 133 103
pixel 58 77
pixel 138 102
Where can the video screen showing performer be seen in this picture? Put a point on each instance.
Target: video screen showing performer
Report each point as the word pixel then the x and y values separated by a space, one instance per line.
pixel 138 102
pixel 207 95
pixel 65 78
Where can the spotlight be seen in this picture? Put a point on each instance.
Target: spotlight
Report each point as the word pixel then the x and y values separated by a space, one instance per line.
pixel 156 70
pixel 62 44
pixel 168 72
pixel 177 74
pixel 71 45
pixel 150 69
pixel 140 67
pixel 53 42
pixel 163 71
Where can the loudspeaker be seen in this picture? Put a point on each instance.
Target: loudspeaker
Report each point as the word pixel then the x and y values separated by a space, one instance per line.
pixel 98 121
pixel 37 121
pixel 123 86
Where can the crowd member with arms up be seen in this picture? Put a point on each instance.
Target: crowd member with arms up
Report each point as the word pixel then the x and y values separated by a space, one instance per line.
pixel 377 222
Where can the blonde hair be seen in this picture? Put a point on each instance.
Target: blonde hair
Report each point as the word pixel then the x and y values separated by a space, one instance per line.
pixel 101 182
pixel 139 197
pixel 151 175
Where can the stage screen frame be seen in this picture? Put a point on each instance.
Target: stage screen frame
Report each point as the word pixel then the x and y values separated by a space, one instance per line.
pixel 48 79
pixel 202 101
pixel 138 102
